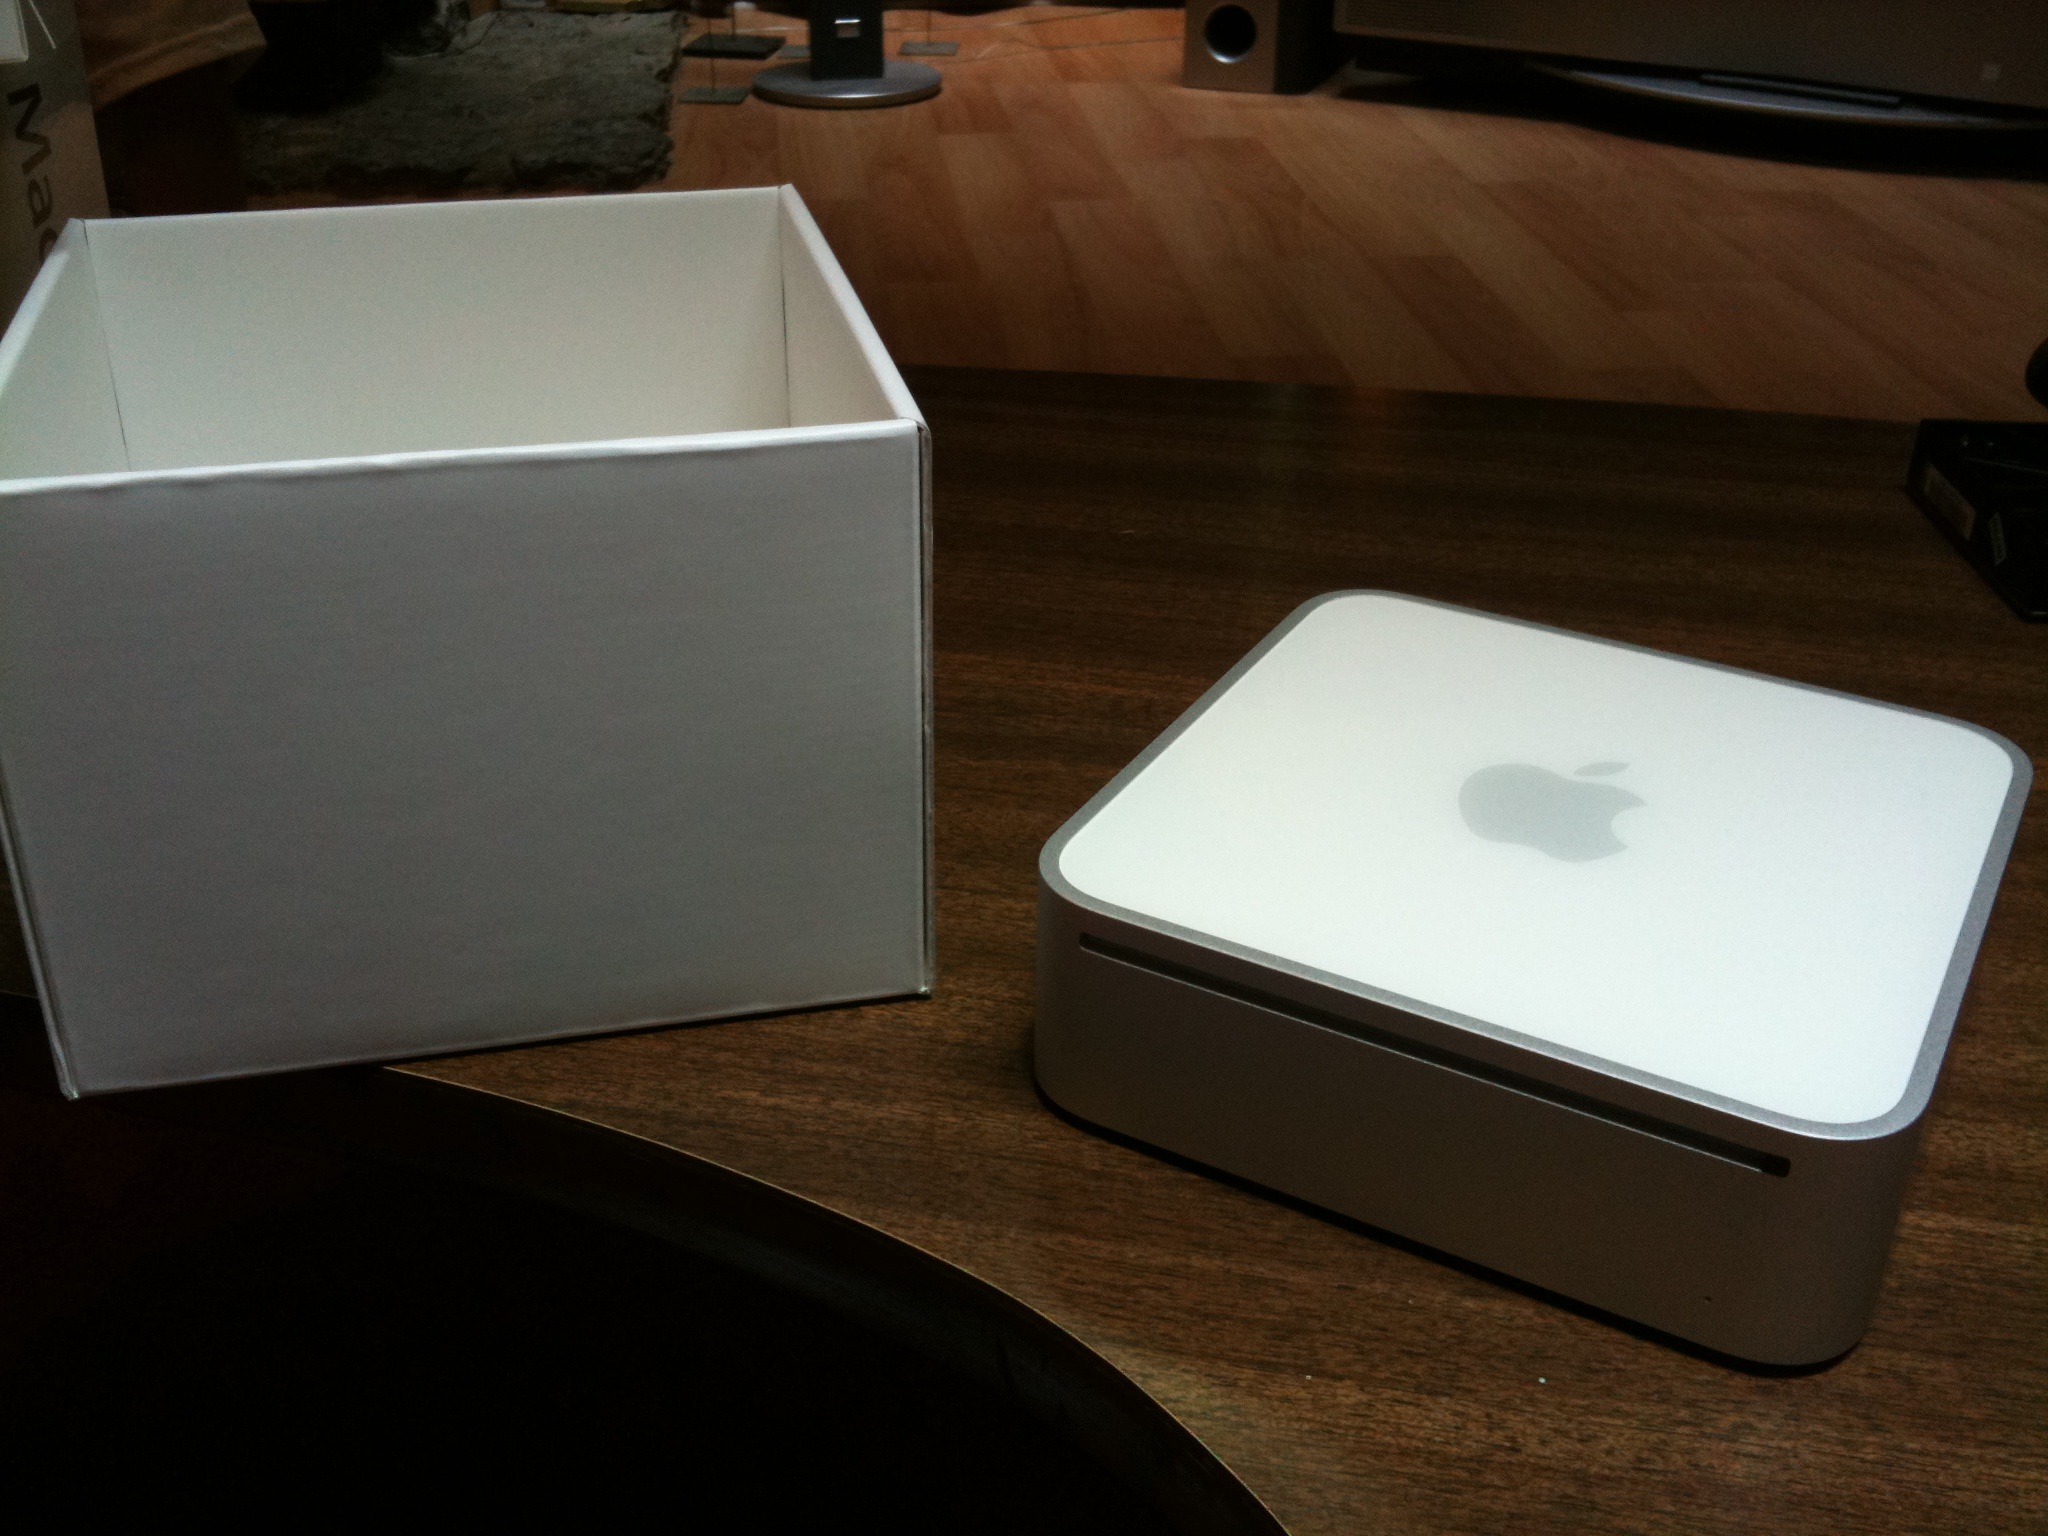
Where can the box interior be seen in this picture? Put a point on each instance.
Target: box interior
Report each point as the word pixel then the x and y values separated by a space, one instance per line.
pixel 179 343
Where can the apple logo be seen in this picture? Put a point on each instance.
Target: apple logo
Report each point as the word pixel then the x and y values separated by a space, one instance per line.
pixel 1567 818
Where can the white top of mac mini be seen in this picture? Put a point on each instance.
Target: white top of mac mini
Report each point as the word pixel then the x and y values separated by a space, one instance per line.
pixel 1757 895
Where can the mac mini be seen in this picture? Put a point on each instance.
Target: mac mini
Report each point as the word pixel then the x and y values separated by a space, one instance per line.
pixel 1624 974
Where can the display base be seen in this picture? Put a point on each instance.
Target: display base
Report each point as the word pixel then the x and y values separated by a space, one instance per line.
pixel 899 84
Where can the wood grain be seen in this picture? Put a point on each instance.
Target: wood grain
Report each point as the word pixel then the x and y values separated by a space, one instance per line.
pixel 1066 204
pixel 1107 548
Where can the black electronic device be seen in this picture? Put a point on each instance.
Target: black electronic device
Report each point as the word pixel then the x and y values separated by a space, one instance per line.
pixel 1985 484
pixel 1275 46
pixel 846 39
pixel 1922 64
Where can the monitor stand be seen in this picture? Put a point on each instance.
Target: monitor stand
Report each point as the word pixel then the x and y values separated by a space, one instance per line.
pixel 793 85
pixel 846 67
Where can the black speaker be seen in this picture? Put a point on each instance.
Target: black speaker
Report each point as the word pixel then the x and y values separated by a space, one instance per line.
pixel 1282 46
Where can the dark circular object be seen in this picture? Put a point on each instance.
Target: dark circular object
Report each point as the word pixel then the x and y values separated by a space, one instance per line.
pixel 1230 33
pixel 400 1342
pixel 899 84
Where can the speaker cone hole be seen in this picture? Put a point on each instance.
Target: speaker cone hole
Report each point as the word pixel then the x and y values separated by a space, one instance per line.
pixel 1231 33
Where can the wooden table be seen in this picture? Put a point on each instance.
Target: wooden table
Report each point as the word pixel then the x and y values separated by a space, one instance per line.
pixel 1106 549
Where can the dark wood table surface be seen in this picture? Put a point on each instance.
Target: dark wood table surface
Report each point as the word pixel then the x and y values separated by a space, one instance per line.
pixel 1106 548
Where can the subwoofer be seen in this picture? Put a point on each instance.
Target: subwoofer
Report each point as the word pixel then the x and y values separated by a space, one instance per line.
pixel 1282 46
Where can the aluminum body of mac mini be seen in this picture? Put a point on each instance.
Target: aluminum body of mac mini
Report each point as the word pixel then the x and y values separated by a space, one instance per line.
pixel 1624 974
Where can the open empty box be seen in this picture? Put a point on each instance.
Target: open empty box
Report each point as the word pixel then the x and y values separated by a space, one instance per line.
pixel 1622 973
pixel 441 626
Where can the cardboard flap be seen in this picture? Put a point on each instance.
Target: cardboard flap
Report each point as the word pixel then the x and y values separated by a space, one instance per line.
pixel 348 332
pixel 58 411
pixel 839 371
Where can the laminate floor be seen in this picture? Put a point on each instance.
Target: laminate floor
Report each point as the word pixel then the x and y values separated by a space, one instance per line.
pixel 1065 203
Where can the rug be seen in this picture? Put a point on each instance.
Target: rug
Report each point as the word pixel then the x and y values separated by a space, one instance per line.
pixel 517 101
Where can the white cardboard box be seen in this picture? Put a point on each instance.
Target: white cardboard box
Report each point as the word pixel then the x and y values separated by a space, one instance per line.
pixel 441 626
